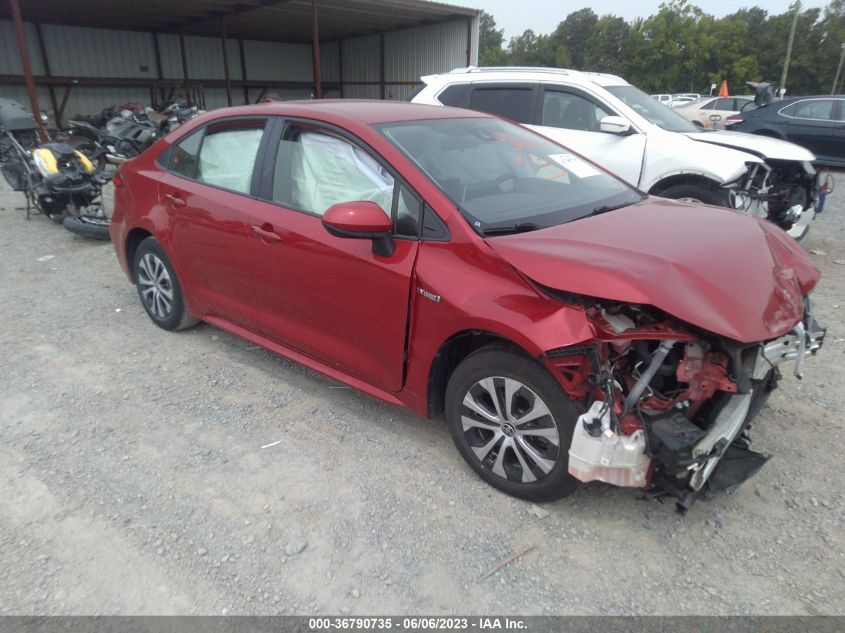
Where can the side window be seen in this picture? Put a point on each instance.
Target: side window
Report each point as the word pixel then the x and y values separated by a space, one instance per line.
pixel 227 155
pixel 841 116
pixel 571 111
pixel 814 109
pixel 183 159
pixel 315 170
pixel 511 103
pixel 724 104
pixel 709 105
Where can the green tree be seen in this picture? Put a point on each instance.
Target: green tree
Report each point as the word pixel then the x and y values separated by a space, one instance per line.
pixel 574 33
pixel 606 46
pixel 490 40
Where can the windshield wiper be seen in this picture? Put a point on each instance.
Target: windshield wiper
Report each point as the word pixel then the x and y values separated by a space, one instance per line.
pixel 611 207
pixel 521 227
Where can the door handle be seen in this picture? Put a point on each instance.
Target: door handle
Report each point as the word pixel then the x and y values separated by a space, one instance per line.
pixel 266 234
pixel 175 200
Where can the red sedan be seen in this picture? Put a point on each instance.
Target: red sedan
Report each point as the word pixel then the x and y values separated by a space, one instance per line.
pixel 569 327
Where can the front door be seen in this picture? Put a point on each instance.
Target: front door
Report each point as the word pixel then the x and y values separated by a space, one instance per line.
pixel 330 297
pixel 574 119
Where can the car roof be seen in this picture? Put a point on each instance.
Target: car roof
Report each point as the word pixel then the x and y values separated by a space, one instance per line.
pixel 340 111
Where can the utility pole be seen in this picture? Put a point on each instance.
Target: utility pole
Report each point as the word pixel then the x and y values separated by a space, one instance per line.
pixel 838 69
pixel 797 6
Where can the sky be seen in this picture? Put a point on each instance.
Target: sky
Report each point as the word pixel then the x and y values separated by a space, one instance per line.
pixel 542 16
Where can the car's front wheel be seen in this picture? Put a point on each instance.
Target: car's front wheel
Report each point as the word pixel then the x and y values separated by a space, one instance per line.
pixel 159 288
pixel 513 424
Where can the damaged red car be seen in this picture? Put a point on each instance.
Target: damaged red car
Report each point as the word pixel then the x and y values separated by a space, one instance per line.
pixel 568 326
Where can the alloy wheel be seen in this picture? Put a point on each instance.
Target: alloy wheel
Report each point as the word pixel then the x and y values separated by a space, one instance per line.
pixel 510 429
pixel 155 286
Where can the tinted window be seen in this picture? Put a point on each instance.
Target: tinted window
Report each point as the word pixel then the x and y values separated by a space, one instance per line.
pixel 227 155
pixel 183 159
pixel 724 103
pixel 814 109
pixel 571 111
pixel 453 95
pixel 511 103
pixel 315 170
pixel 708 105
pixel 841 116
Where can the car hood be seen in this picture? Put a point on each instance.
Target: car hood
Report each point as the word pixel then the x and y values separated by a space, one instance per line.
pixel 762 146
pixel 717 269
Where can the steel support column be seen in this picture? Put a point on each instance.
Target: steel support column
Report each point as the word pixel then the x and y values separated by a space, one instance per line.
pixel 315 51
pixel 243 70
pixel 184 68
pixel 27 69
pixel 45 60
pixel 226 76
pixel 382 89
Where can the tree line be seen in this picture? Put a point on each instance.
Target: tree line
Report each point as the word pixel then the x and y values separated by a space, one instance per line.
pixel 684 49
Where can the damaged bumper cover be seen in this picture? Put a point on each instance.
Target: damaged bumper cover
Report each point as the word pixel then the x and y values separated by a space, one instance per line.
pixel 784 192
pixel 685 456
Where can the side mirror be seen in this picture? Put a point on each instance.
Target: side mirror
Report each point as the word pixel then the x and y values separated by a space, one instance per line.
pixel 361 219
pixel 615 125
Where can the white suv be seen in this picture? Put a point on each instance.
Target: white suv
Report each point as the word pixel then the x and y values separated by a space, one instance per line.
pixel 618 126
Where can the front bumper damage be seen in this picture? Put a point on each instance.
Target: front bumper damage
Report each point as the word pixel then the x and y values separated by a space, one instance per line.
pixel 783 192
pixel 674 456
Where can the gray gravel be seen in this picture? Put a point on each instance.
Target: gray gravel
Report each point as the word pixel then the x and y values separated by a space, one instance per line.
pixel 133 479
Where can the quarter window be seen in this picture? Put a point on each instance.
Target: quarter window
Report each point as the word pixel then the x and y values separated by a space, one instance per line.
pixel 185 154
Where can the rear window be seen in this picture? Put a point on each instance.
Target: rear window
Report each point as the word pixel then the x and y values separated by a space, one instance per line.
pixel 510 103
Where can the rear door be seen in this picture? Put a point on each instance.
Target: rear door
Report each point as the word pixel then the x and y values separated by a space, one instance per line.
pixel 812 124
pixel 573 117
pixel 206 187
pixel 329 297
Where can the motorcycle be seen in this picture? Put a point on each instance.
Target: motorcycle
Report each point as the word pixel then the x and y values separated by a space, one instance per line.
pixel 56 179
pixel 126 135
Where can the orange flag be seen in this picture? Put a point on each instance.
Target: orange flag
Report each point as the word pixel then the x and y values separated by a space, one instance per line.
pixel 723 91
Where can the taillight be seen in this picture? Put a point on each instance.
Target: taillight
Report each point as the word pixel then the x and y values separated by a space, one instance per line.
pixel 117 180
pixel 733 120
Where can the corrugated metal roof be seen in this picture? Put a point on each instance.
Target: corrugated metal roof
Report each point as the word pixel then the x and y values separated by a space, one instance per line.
pixel 280 20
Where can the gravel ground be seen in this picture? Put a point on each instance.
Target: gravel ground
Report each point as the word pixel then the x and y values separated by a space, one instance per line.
pixel 136 478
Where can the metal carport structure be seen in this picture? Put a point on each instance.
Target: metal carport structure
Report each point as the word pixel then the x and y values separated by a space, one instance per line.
pixel 234 50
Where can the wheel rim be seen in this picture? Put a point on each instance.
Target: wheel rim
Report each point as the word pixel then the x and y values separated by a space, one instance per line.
pixel 690 199
pixel 510 430
pixel 155 286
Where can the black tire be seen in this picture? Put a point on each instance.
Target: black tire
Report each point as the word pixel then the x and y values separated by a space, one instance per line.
pixel 90 226
pixel 498 364
pixel 144 269
pixel 695 192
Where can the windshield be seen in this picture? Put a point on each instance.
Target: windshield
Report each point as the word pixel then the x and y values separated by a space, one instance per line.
pixel 504 178
pixel 652 110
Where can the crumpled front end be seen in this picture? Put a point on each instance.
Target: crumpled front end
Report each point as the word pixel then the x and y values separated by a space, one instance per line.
pixel 783 191
pixel 670 406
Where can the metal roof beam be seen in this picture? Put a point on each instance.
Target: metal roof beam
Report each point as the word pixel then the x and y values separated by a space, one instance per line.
pixel 237 9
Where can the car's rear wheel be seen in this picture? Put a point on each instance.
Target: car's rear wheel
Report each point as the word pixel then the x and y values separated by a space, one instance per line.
pixel 159 288
pixel 512 423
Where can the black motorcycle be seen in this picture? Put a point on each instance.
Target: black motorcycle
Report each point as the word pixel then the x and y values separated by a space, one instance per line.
pixel 57 180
